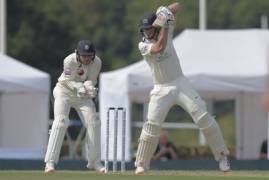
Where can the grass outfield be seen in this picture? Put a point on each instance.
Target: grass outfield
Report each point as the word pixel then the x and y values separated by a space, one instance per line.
pixel 152 175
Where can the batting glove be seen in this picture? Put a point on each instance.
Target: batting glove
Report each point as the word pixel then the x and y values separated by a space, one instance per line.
pixel 165 11
pixel 161 20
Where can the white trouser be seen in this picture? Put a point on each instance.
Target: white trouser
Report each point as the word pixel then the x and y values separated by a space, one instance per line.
pixel 179 92
pixel 87 113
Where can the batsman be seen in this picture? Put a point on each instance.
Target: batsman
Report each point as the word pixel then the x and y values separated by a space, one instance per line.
pixel 170 88
pixel 76 88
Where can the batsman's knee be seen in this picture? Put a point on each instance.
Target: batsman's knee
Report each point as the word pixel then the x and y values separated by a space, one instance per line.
pixel 205 121
pixel 208 125
pixel 150 132
pixel 197 109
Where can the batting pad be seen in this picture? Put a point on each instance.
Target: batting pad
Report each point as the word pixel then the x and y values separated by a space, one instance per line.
pixel 57 133
pixel 147 144
pixel 93 149
pixel 213 136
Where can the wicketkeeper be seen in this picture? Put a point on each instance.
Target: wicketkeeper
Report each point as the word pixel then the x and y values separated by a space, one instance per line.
pixel 170 88
pixel 76 88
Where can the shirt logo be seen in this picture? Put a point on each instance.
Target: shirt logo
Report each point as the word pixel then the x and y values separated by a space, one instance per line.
pixel 67 72
pixel 86 47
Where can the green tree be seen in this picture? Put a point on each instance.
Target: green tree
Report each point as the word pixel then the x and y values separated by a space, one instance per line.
pixel 236 14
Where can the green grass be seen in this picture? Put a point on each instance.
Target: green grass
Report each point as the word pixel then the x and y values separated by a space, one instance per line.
pixel 129 175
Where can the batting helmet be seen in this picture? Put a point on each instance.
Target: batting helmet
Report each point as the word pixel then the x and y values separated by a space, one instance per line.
pixel 85 47
pixel 146 21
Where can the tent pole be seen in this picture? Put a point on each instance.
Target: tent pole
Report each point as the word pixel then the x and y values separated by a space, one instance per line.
pixel 3 26
pixel 202 14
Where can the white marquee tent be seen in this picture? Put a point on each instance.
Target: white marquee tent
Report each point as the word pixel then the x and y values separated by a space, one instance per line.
pixel 24 110
pixel 221 64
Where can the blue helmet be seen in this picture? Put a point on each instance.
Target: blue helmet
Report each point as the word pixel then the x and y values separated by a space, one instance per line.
pixel 85 47
pixel 146 21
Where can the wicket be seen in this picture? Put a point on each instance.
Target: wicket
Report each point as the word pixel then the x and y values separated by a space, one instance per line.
pixel 115 112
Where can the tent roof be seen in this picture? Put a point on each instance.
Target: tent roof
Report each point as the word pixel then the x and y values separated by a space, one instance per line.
pixel 16 76
pixel 242 53
pixel 214 60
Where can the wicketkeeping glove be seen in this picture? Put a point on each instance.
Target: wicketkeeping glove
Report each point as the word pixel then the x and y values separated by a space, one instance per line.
pixel 91 90
pixel 81 92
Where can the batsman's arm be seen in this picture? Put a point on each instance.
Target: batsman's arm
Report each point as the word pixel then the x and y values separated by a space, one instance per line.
pixel 166 13
pixel 160 45
pixel 175 7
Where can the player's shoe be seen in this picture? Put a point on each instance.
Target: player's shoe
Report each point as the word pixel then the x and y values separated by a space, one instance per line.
pixel 140 169
pixel 224 164
pixel 49 168
pixel 97 166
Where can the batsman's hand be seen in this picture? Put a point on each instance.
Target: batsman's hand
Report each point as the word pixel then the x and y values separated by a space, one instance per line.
pixel 161 20
pixel 164 15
